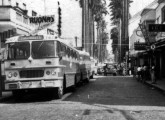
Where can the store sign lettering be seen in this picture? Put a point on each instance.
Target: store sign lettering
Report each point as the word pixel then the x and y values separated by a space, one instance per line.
pixel 42 19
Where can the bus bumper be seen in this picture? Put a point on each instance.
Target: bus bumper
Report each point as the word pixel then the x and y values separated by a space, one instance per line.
pixel 33 84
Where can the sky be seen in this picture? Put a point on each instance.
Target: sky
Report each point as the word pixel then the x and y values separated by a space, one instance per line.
pixel 71 17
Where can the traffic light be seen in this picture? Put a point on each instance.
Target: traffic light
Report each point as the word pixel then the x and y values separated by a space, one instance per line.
pixel 59 21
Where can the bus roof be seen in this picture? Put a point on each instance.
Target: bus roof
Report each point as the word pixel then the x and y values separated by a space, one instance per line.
pixel 21 38
pixel 30 37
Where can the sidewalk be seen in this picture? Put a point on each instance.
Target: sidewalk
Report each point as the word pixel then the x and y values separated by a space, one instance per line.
pixel 160 84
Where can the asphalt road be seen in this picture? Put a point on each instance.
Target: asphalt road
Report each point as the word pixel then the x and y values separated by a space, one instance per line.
pixel 104 98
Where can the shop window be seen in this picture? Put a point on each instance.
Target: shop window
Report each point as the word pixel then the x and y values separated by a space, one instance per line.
pixel 163 14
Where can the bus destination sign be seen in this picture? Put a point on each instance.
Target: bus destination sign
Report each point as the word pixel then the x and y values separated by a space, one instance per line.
pixel 37 37
pixel 156 28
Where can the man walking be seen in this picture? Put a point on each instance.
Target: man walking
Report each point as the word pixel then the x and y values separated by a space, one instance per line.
pixel 152 71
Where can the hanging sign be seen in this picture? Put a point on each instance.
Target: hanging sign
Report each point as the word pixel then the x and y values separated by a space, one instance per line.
pixel 42 19
pixel 156 28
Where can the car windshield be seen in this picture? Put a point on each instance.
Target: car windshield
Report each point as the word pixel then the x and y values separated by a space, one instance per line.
pixel 18 50
pixel 43 49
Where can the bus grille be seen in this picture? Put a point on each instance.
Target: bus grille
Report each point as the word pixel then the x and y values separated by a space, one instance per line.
pixel 31 73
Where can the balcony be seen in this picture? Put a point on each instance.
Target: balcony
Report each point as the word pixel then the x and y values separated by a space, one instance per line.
pixel 14 17
pixel 148 14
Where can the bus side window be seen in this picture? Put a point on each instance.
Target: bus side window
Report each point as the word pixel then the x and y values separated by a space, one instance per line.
pixel 72 54
pixel 68 50
pixel 58 48
pixel 64 50
pixel 76 55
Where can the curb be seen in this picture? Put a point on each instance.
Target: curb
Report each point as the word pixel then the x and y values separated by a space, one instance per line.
pixel 155 86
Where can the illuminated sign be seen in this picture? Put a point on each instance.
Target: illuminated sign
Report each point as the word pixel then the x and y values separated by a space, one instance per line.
pixel 42 19
pixel 156 28
pixel 37 37
pixel 153 47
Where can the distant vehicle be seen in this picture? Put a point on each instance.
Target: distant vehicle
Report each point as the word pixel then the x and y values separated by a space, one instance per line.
pixel 110 69
pixel 100 70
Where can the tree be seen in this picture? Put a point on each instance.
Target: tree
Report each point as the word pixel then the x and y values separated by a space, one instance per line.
pixel 116 7
pixel 118 19
pixel 114 36
pixel 98 9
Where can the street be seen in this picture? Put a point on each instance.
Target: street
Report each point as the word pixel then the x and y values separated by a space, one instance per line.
pixel 104 98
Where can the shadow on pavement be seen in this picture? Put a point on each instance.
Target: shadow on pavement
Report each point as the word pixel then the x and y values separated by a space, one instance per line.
pixel 117 90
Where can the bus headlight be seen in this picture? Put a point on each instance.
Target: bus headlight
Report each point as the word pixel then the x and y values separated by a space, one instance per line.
pixel 53 72
pixel 9 75
pixel 48 72
pixel 15 74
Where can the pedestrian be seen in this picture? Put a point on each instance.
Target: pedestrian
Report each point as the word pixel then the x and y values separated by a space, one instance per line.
pixel 144 73
pixel 105 70
pixel 139 72
pixel 152 72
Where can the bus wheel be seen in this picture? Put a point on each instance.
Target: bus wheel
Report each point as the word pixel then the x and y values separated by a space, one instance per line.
pixel 87 79
pixel 64 85
pixel 59 92
pixel 73 88
pixel 18 94
pixel 91 77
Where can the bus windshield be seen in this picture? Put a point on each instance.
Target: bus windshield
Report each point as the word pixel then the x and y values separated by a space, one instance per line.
pixel 43 49
pixel 18 50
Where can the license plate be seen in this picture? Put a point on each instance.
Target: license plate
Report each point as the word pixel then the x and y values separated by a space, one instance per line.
pixel 12 86
pixel 49 84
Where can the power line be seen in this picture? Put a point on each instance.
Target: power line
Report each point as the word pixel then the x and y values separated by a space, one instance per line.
pixel 105 44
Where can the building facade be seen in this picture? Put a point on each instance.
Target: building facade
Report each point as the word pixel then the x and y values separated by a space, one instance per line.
pixel 155 41
pixel 15 15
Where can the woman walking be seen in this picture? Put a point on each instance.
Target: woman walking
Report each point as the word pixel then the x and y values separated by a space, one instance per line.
pixel 153 74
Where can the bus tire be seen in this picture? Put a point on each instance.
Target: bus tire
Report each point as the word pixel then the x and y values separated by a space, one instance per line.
pixel 87 79
pixel 64 85
pixel 18 94
pixel 59 92
pixel 91 77
pixel 73 88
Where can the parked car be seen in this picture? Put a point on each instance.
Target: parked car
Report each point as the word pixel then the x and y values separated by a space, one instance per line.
pixel 110 69
pixel 100 70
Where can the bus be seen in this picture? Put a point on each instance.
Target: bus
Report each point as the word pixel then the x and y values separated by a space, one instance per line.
pixel 43 62
pixel 85 66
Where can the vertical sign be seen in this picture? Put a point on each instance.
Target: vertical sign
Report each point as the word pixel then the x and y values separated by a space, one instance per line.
pixel 145 33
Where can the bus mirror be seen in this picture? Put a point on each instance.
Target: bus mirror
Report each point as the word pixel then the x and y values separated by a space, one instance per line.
pixel 61 54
